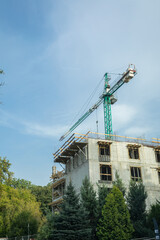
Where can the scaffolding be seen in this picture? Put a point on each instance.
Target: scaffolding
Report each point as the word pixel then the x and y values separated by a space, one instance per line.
pixel 77 141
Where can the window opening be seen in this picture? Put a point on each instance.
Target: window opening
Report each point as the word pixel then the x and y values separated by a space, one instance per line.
pixel 157 155
pixel 133 153
pixel 136 174
pixel 104 150
pixel 105 173
pixel 159 176
pixel 104 153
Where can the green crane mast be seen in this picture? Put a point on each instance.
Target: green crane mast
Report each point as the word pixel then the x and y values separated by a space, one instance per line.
pixel 107 107
pixel 107 98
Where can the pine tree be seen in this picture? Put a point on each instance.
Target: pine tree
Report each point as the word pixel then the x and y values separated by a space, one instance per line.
pixel 102 194
pixel 115 221
pixel 46 229
pixel 118 183
pixel 154 212
pixel 136 201
pixel 71 223
pixel 90 203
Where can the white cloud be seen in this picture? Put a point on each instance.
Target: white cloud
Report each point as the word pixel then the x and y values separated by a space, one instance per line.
pixel 43 131
pixel 32 128
pixel 6 119
pixel 123 114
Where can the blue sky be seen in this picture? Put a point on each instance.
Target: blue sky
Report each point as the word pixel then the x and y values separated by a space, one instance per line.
pixel 53 54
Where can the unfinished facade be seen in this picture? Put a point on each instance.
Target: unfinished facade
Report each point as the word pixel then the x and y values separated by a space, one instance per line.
pixel 98 158
pixel 58 188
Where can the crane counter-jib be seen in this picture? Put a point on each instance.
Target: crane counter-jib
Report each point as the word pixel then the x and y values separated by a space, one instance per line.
pixel 95 106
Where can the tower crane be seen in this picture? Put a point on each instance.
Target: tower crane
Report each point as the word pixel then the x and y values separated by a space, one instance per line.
pixel 108 99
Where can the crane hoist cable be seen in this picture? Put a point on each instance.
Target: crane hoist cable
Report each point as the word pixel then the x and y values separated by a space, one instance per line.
pixel 86 104
pixel 107 98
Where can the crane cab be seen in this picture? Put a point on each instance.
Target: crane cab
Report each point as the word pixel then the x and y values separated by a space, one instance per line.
pixel 113 99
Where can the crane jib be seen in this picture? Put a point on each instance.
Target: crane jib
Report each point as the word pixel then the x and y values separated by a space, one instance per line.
pixel 95 106
pixel 124 79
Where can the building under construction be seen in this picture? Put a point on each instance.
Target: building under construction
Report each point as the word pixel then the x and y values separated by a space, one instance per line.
pixel 98 158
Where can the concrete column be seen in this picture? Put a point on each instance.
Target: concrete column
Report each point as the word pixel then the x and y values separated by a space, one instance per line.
pixel 71 163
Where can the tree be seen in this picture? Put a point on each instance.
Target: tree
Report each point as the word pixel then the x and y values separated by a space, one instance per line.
pixel 118 183
pixel 115 221
pixel 90 203
pixel 25 222
pixel 102 194
pixel 15 203
pixel 5 174
pixel 136 200
pixel 154 212
pixel 71 223
pixel 43 194
pixel 47 228
pixel 20 183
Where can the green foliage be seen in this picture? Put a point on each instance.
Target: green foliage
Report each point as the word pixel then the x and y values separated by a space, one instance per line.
pixel 43 194
pixel 136 201
pixel 25 221
pixel 15 203
pixel 154 212
pixel 118 183
pixel 47 228
pixel 102 194
pixel 21 203
pixel 115 221
pixel 5 174
pixel 71 223
pixel 20 183
pixel 90 203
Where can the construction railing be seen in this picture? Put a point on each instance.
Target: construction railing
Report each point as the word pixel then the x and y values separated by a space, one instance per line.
pixel 76 137
pixel 113 137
